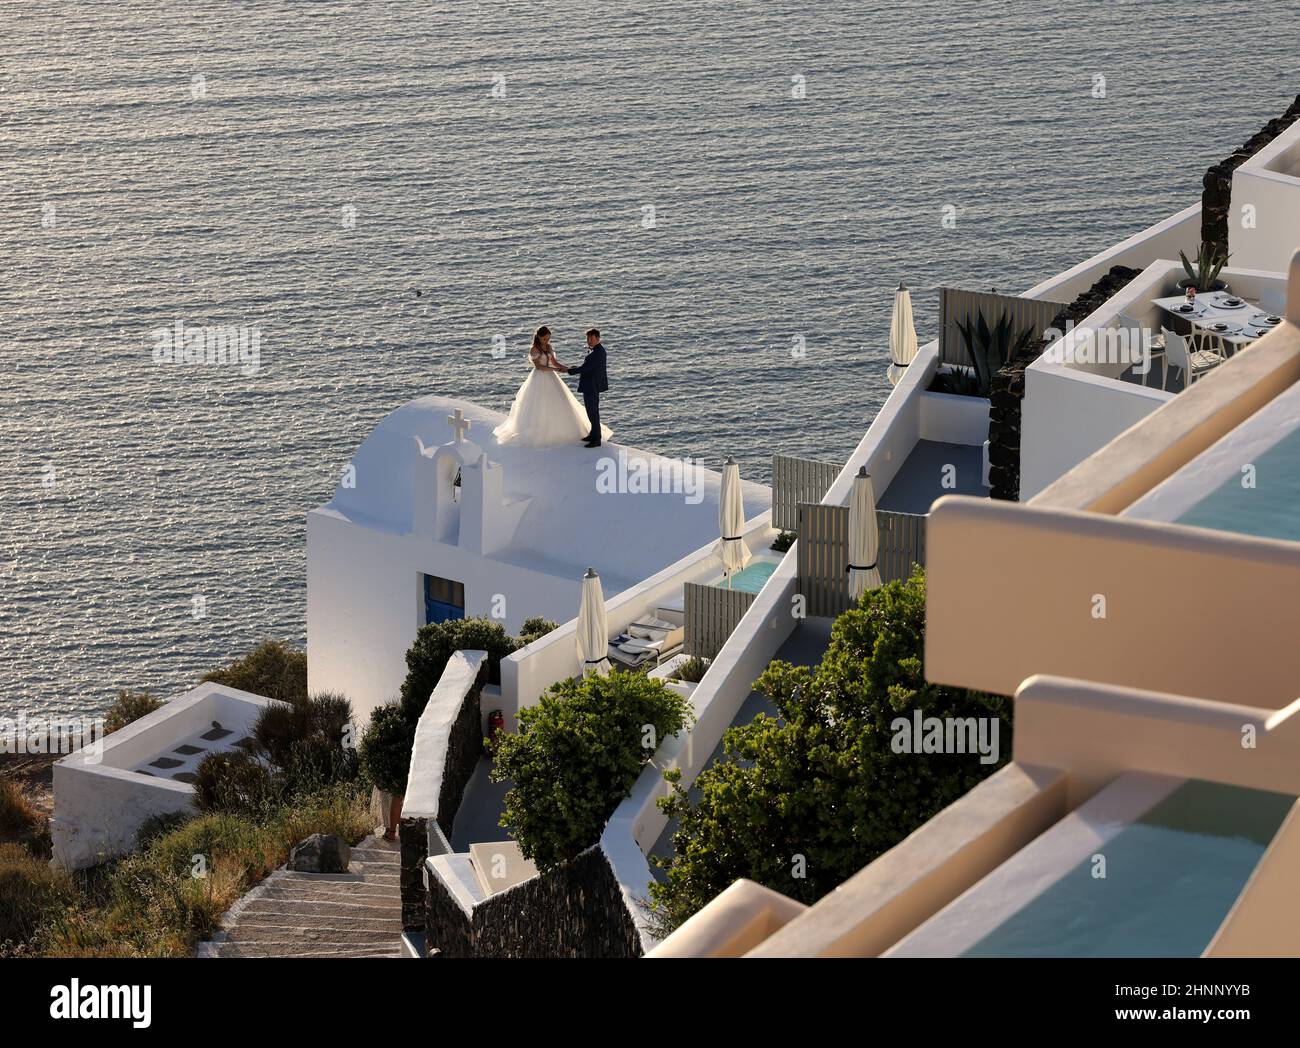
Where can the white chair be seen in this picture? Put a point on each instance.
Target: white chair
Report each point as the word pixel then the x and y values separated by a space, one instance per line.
pixel 1193 363
pixel 1136 331
pixel 1272 300
pixel 1203 340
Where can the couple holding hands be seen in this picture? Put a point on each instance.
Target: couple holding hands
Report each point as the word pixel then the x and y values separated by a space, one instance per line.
pixel 545 413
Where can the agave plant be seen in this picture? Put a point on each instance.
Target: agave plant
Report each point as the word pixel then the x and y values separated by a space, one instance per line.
pixel 991 348
pixel 1209 263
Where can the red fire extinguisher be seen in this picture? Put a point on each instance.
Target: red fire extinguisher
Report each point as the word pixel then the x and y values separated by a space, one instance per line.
pixel 496 723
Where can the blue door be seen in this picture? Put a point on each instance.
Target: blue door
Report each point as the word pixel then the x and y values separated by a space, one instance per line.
pixel 443 599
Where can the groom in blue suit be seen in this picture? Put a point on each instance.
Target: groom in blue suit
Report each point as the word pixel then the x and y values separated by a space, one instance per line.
pixel 592 382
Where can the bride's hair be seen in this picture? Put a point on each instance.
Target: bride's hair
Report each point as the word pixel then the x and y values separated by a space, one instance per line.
pixel 538 335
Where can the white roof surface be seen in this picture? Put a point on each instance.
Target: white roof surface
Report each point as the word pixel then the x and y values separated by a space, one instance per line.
pixel 569 525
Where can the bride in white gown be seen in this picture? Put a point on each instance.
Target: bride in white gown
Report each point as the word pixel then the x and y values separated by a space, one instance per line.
pixel 545 414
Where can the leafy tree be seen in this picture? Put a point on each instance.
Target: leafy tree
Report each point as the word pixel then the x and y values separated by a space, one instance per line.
pixel 385 749
pixel 802 801
pixel 576 755
pixel 435 644
pixel 272 669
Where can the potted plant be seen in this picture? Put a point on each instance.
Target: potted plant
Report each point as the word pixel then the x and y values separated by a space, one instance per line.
pixel 385 755
pixel 1204 273
pixel 990 348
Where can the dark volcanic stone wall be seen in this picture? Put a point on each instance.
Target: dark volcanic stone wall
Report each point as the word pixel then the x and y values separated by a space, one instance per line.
pixel 1216 199
pixel 464 748
pixel 413 839
pixel 574 911
pixel 1007 390
pixel 447 928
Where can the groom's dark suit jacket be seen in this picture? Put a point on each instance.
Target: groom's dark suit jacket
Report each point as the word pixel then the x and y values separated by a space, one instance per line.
pixel 592 377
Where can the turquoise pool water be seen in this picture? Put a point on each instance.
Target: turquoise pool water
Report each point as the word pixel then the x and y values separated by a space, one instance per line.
pixel 1171 878
pixel 751 580
pixel 1270 509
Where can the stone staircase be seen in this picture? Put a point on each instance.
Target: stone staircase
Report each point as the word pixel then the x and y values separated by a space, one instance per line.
pixel 354 914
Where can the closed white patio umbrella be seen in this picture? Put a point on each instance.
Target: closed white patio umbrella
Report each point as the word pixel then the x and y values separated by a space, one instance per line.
pixel 593 632
pixel 864 536
pixel 902 335
pixel 731 548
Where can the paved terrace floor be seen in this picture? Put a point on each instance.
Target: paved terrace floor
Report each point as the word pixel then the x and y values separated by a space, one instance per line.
pixel 1155 375
pixel 478 821
pixel 920 479
pixel 805 647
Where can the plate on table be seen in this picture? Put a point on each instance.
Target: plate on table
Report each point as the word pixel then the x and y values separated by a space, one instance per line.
pixel 1188 309
pixel 1226 301
pixel 1223 327
pixel 1256 332
pixel 1264 320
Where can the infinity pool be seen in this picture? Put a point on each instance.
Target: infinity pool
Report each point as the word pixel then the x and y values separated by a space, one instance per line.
pixel 1171 877
pixel 1270 508
pixel 1248 482
pixel 752 579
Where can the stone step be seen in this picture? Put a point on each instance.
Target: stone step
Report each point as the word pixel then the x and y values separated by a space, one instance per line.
pixel 291 914
pixel 278 919
pixel 300 902
pixel 360 875
pixel 297 949
pixel 372 849
pixel 325 889
pixel 309 936
pixel 309 908
pixel 376 856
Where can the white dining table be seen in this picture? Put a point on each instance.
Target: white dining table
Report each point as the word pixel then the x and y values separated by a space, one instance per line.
pixel 1245 322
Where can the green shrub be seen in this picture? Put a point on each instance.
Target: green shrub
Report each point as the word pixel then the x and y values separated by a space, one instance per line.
pixel 305 741
pixel 385 749
pixel 823 782
pixel 272 669
pixel 692 670
pixel 435 644
pixel 236 782
pixel 576 755
pixel 32 895
pixel 784 541
pixel 127 707
pixel 535 628
pixel 297 749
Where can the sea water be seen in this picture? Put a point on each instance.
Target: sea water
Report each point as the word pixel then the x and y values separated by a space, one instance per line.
pixel 389 198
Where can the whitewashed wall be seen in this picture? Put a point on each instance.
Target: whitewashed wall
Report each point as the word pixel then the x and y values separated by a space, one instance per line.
pixel 1269 182
pixel 365 602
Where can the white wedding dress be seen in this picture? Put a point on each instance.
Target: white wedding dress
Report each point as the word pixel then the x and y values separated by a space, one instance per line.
pixel 545 413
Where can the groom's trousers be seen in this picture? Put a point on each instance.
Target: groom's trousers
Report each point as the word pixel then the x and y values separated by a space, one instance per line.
pixel 591 401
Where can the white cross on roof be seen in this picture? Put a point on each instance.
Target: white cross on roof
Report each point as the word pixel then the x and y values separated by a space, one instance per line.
pixel 459 425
